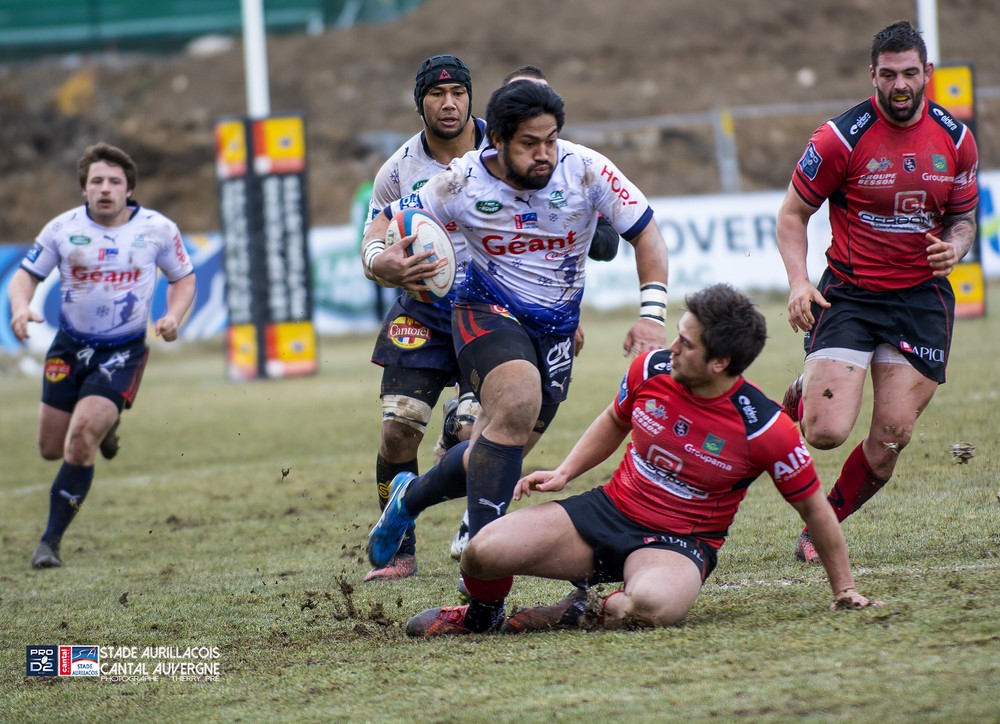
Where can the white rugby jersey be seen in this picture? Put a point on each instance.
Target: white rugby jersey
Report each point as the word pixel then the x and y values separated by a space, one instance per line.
pixel 529 248
pixel 108 274
pixel 406 171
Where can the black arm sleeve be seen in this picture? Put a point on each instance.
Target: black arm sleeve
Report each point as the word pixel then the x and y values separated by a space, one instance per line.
pixel 604 247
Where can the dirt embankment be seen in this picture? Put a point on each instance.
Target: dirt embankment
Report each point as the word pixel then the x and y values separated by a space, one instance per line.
pixel 611 62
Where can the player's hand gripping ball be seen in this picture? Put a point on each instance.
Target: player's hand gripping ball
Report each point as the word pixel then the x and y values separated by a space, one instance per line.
pixel 431 236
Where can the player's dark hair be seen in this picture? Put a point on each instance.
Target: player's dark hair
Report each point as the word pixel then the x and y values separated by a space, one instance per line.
pixel 524 71
pixel 731 326
pixel 899 37
pixel 111 155
pixel 512 104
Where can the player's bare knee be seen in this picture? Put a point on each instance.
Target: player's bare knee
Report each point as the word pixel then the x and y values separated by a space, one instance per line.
pixel 823 437
pixel 50 451
pixel 399 441
pixel 649 612
pixel 476 556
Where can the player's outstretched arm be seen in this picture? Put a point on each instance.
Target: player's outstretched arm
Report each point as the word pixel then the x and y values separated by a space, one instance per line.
pixel 180 295
pixel 829 540
pixel 596 445
pixel 793 244
pixel 19 293
pixel 649 331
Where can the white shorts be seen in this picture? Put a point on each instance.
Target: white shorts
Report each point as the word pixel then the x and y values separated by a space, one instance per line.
pixel 882 354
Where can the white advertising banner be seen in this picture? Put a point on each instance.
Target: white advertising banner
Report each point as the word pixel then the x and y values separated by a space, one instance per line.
pixel 720 238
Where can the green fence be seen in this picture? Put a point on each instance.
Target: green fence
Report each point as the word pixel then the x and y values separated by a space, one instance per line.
pixel 34 27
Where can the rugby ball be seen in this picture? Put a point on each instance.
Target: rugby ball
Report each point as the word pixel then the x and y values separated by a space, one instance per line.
pixel 431 236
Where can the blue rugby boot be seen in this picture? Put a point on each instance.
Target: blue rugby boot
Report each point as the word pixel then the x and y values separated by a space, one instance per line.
pixel 388 533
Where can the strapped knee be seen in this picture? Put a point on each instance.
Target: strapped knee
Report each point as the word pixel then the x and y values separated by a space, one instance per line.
pixel 407 411
pixel 467 410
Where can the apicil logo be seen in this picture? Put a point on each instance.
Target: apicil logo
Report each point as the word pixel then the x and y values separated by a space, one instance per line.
pixel 79 661
pixel 41 661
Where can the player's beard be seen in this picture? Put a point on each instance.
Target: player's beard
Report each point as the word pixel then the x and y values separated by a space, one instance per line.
pixel 527 181
pixel 446 135
pixel 900 116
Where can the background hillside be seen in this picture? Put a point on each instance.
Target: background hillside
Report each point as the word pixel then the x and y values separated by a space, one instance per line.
pixel 611 61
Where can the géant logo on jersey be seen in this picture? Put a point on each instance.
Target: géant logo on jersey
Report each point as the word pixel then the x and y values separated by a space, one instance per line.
pixel 98 276
pixel 408 333
pixel 498 245
pixel 940 162
pixel 790 466
pixel 617 186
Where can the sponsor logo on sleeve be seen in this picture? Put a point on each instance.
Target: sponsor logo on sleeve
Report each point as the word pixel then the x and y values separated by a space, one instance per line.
pixel 34 251
pixel 810 162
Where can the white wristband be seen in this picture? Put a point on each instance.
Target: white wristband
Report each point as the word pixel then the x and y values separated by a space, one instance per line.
pixel 372 249
pixel 653 303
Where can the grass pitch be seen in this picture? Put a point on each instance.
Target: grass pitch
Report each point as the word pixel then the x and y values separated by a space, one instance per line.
pixel 236 514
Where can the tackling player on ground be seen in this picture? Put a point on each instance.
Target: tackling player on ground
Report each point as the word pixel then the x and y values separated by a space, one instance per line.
pixel 700 435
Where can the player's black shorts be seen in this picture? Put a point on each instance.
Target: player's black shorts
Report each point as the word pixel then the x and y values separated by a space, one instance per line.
pixel 416 335
pixel 614 537
pixel 917 321
pixel 74 370
pixel 487 335
pixel 419 384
